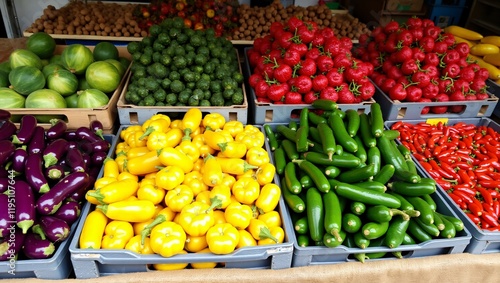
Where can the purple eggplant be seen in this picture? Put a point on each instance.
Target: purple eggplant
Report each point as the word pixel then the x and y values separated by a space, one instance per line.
pixel 87 160
pixel 75 161
pixel 73 144
pixel 69 212
pixel 4 173
pixel 55 229
pixel 7 215
pixel 7 149
pixel 97 127
pixel 4 184
pixel 86 134
pixel 7 130
pixel 101 145
pixel 35 247
pixel 34 174
pixel 57 130
pixel 50 202
pixel 4 115
pixel 55 151
pixel 26 129
pixel 79 195
pixel 70 135
pixel 25 205
pixel 97 158
pixel 19 160
pixel 54 172
pixel 37 142
pixel 15 242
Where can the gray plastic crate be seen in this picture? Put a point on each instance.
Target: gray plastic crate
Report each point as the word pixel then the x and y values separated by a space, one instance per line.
pixel 263 113
pixel 88 263
pixel 398 110
pixel 482 242
pixel 494 88
pixel 56 267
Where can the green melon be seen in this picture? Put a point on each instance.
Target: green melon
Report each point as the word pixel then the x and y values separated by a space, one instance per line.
pixel 4 79
pixel 41 44
pixel 72 100
pixel 83 84
pixel 11 99
pixel 103 76
pixel 76 58
pixel 51 68
pixel 26 79
pixel 23 57
pixel 119 66
pixel 92 98
pixel 56 59
pixel 62 81
pixel 5 67
pixel 46 99
pixel 125 62
pixel 105 50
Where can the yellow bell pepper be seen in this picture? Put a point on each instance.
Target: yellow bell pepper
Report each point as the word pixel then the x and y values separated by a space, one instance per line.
pixel 160 140
pixel 122 147
pixel 257 156
pixel 204 197
pixel 194 180
pixel 228 180
pixel 190 149
pixel 116 191
pixel 117 234
pixel 110 168
pixel 278 235
pixel 238 215
pixel 139 226
pixel 91 199
pixel 271 218
pixel 129 130
pixel 269 197
pixel 172 156
pixel 204 149
pixel 203 265
pixel 137 151
pixel 198 164
pixel 103 181
pixel 197 217
pixel 250 137
pixel 171 266
pixel 191 121
pixel 122 160
pixel 215 139
pixel 130 211
pixel 179 197
pixel 167 239
pixel 157 125
pixel 260 231
pixel 222 238
pixel 249 173
pixel 233 149
pixel 219 217
pixel 170 177
pixel 212 172
pixel 233 127
pixel 135 245
pixel 134 139
pixel 145 164
pixel 176 124
pixel 195 244
pixel 160 116
pixel 164 215
pixel 246 239
pixel 127 176
pixel 93 230
pixel 265 174
pixel 213 121
pixel 234 166
pixel 151 192
pixel 221 193
pixel 246 190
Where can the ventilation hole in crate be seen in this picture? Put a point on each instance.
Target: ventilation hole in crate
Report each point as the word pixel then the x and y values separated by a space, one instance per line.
pixel 269 115
pixel 134 118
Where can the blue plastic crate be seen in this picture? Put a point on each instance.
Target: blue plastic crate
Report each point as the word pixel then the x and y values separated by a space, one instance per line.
pixel 444 16
pixel 447 2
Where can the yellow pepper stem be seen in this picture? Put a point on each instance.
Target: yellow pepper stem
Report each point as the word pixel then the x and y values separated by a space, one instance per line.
pixel 147 230
pixel 265 233
pixel 146 133
pixel 97 195
pixel 215 203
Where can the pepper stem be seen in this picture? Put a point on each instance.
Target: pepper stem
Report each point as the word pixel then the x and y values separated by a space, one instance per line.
pixel 361 257
pixel 265 233
pixel 147 132
pixel 147 230
pixel 215 203
pixel 97 195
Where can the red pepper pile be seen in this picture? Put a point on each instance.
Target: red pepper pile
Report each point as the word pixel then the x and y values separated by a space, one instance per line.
pixel 464 160
pixel 418 62
pixel 298 63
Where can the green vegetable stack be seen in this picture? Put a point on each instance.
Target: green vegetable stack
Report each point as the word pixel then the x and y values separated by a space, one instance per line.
pixel 346 181
pixel 179 66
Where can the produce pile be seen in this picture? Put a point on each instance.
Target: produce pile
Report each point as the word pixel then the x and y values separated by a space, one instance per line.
pixel 255 22
pixel 178 66
pixel 299 62
pixel 92 18
pixel 36 77
pixel 485 51
pixel 44 177
pixel 347 182
pixel 419 62
pixel 192 185
pixel 463 159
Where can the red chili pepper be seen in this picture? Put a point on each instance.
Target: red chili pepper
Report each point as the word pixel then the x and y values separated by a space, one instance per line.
pixel 456 198
pixel 465 189
pixel 473 218
pixel 464 177
pixel 410 146
pixel 489 208
pixel 489 218
pixel 397 125
pixel 434 164
pixel 496 207
pixel 427 153
pixel 483 176
pixel 444 184
pixel 424 164
pixel 485 193
pixel 475 209
pixel 437 150
pixel 494 194
pixel 472 175
pixel 493 229
pixel 494 175
pixel 445 153
pixel 486 163
pixel 489 184
pixel 465 197
pixel 491 131
pixel 418 144
pixel 496 165
pixel 479 156
pixel 468 133
pixel 434 174
pixel 468 142
pixel 432 141
pixel 447 167
pixel 490 148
